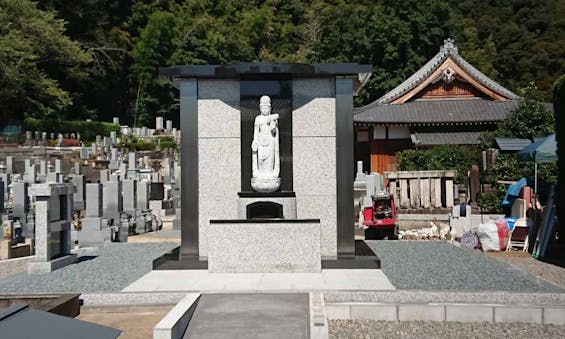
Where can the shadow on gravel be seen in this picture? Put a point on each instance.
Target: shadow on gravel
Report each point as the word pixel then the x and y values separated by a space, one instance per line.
pixel 86 258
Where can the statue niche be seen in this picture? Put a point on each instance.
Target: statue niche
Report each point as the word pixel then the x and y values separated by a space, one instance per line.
pixel 265 149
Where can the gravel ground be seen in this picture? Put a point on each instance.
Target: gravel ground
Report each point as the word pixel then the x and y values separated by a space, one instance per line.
pixel 525 261
pixel 437 265
pixel 431 329
pixel 108 269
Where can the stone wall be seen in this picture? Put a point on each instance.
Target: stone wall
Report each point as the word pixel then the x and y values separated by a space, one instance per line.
pixel 314 156
pixel 219 161
pixel 14 266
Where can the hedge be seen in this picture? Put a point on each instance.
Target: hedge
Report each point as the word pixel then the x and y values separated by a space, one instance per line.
pixel 88 129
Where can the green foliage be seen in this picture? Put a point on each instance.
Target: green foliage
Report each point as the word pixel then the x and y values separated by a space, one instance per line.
pixel 88 129
pixel 529 120
pixel 491 203
pixel 114 71
pixel 444 157
pixel 35 54
pixel 166 142
pixel 132 143
pixel 100 27
pixel 507 168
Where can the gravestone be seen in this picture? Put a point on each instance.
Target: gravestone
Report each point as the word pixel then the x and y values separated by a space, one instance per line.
pixel 29 174
pixel 84 153
pixel 112 199
pixel 143 189
pixel 169 125
pixel 10 164
pixel 129 195
pixel 6 178
pixel 159 123
pixel 21 200
pixel 53 215
pixel 95 230
pixel 78 198
pixel 3 196
pixel 132 172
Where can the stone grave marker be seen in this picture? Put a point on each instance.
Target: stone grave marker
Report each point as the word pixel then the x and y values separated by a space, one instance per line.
pixel 53 215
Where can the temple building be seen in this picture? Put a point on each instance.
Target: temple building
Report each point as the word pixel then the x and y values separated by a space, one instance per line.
pixel 447 101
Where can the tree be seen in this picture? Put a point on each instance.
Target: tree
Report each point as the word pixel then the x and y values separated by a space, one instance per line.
pixel 153 49
pixel 34 54
pixel 530 119
pixel 100 26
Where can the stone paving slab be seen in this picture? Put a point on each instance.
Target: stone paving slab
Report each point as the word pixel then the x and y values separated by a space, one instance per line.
pixel 203 281
pixel 244 315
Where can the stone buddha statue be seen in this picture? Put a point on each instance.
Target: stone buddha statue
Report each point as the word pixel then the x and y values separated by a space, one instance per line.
pixel 265 149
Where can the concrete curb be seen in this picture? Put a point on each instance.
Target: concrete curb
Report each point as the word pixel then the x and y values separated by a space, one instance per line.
pixel 494 313
pixel 174 324
pixel 318 317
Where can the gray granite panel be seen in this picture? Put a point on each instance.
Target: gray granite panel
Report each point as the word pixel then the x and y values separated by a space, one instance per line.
pixel 218 109
pixel 219 166
pixel 313 107
pixel 325 209
pixel 264 248
pixel 214 207
pixel 314 165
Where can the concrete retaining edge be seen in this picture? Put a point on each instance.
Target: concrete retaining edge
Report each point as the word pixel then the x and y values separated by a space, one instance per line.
pixel 494 313
pixel 174 324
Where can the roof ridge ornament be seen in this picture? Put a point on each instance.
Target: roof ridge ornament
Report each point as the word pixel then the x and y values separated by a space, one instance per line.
pixel 449 46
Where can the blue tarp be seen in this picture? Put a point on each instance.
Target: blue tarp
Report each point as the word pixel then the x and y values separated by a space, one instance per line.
pixel 513 191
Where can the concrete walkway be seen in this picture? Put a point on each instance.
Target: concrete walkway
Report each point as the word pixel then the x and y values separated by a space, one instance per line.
pixel 245 316
pixel 203 281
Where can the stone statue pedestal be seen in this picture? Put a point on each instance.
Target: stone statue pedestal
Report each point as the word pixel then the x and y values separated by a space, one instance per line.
pixel 265 184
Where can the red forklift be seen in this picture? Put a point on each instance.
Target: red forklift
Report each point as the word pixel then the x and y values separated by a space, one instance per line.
pixel 379 220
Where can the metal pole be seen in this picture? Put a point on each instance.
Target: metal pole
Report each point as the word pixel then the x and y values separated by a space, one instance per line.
pixel 536 177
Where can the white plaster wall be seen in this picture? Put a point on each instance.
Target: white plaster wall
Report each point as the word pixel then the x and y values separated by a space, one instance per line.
pixel 219 159
pixel 314 156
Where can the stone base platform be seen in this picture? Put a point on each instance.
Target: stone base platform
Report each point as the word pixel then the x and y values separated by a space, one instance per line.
pixel 264 246
pixel 364 258
pixel 205 282
pixel 40 267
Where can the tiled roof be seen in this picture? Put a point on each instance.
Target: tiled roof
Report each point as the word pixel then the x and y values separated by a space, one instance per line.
pixel 512 144
pixel 449 49
pixel 436 111
pixel 448 138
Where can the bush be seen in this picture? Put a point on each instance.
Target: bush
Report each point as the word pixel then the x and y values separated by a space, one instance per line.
pixel 88 130
pixel 491 203
pixel 167 142
pixel 135 144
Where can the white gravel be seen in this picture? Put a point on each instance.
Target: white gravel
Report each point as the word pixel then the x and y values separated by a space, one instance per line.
pixel 441 266
pixel 107 269
pixel 430 329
